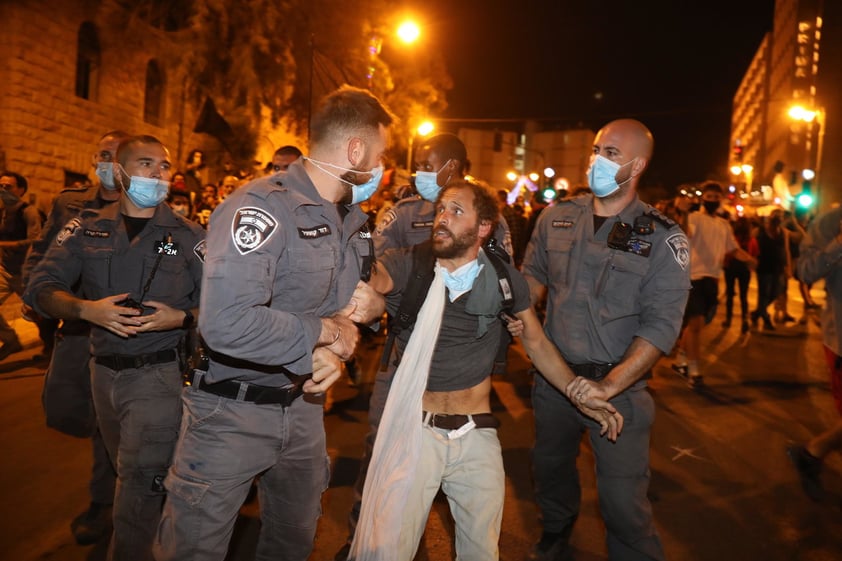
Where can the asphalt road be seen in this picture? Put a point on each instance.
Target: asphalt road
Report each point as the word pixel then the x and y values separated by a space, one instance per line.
pixel 722 488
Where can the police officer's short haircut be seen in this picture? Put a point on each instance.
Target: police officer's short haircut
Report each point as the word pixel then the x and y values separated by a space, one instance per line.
pixel 348 109
pixel 448 146
pixel 120 135
pixel 132 141
pixel 712 186
pixel 485 201
pixel 288 150
pixel 20 180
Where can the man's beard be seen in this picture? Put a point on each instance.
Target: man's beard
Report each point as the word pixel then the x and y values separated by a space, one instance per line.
pixel 459 244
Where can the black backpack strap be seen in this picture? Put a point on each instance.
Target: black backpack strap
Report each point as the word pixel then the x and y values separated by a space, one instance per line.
pixel 498 257
pixel 414 294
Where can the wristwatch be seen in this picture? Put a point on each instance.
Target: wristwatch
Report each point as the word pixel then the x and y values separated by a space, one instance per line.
pixel 189 320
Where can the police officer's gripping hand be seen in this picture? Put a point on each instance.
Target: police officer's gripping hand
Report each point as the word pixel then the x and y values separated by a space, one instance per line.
pixel 339 335
pixel 327 368
pixel 107 313
pixel 163 318
pixel 591 398
pixel 366 305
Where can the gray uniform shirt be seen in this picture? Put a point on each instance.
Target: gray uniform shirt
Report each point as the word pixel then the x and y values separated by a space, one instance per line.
pixel 600 298
pixel 94 250
pixel 279 258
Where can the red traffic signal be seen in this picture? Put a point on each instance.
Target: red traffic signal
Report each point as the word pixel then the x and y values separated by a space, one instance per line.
pixel 738 153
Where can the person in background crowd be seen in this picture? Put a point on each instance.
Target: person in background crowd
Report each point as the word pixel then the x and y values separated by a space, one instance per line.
pixel 616 275
pixel 821 258
pixel 280 296
pixel 282 158
pixel 711 243
pixel 737 272
pixel 229 185
pixel 67 399
pixel 179 201
pixel 139 267
pixel 774 266
pixel 20 226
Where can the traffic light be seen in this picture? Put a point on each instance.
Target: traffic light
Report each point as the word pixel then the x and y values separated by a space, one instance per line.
pixel 805 199
pixel 738 153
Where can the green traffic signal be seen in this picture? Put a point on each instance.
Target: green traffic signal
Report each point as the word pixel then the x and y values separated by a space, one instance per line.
pixel 805 200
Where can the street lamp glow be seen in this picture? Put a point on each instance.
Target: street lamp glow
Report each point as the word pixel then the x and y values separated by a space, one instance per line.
pixel 800 113
pixel 534 176
pixel 549 173
pixel 736 170
pixel 747 168
pixel 808 174
pixel 511 176
pixel 408 32
pixel 426 128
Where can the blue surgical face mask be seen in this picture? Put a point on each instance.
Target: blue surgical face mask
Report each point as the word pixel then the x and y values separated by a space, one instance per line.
pixel 105 173
pixel 462 279
pixel 146 192
pixel 602 176
pixel 427 183
pixel 361 192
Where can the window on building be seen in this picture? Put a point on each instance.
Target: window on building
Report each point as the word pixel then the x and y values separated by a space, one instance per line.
pixel 153 104
pixel 87 61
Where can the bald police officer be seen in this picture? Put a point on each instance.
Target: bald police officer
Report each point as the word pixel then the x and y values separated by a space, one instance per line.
pixel 618 279
pixel 139 266
pixel 67 400
pixel 285 256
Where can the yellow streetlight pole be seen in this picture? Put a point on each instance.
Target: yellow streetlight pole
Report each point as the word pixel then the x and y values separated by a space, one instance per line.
pixel 800 113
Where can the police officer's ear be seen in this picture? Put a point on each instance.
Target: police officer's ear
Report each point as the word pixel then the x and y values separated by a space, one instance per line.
pixel 356 151
pixel 639 166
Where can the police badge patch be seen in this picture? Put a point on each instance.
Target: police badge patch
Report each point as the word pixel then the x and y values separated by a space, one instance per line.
pixel 251 228
pixel 68 230
pixel 200 249
pixel 680 249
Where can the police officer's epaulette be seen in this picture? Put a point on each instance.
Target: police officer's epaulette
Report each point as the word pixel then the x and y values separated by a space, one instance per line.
pixel 663 219
pixel 89 212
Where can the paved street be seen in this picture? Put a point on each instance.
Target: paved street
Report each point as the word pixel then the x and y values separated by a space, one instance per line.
pixel 722 488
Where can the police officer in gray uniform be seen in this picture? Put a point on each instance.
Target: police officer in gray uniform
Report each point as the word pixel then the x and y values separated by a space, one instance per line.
pixel 618 280
pixel 281 293
pixel 67 400
pixel 139 267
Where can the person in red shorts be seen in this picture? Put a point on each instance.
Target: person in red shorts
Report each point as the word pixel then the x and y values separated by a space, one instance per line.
pixel 821 258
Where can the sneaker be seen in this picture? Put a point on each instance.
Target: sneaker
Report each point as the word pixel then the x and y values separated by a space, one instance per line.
pixel 680 369
pixel 344 551
pixel 788 319
pixel 10 349
pixel 809 468
pixel 92 525
pixel 695 382
pixel 552 547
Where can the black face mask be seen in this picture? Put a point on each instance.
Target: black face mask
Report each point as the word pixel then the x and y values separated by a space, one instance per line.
pixel 711 206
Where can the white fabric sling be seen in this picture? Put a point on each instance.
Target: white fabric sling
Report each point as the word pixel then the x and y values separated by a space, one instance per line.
pixel 398 444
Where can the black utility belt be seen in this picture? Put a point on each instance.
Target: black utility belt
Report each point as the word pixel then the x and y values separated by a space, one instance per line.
pixel 454 422
pixel 127 362
pixel 592 370
pixel 243 391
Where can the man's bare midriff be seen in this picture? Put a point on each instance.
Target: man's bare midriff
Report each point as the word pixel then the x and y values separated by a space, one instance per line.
pixel 460 402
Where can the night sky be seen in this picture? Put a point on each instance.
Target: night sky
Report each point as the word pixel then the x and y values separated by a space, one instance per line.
pixel 673 64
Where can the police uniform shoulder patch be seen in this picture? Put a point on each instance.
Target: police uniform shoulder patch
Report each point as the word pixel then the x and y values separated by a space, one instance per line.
pixel 562 224
pixel 68 230
pixel 251 228
pixel 200 250
pixel 680 247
